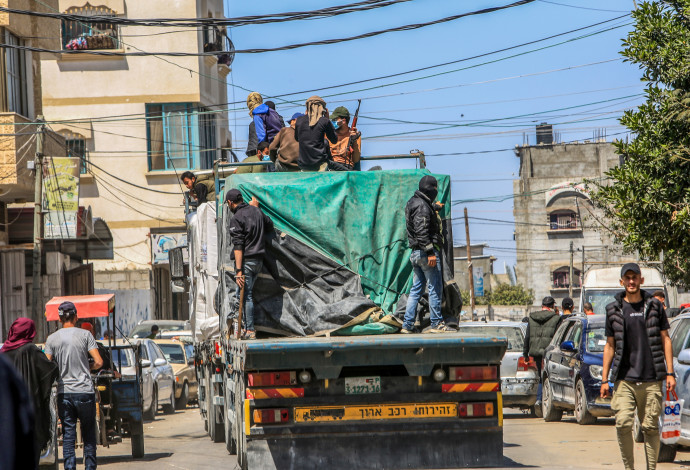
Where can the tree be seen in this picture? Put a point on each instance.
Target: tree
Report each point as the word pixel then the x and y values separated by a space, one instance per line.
pixel 646 200
pixel 502 294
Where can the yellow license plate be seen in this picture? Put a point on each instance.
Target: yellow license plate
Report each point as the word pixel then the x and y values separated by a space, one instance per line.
pixel 374 412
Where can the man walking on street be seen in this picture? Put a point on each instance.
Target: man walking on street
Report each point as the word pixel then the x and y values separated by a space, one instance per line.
pixel 248 230
pixel 541 327
pixel 637 358
pixel 426 240
pixel 71 347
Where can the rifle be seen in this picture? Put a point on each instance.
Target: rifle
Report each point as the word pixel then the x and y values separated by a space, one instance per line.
pixel 353 138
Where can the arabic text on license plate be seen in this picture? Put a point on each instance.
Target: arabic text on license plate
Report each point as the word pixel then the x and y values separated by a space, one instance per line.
pixel 371 412
pixel 362 385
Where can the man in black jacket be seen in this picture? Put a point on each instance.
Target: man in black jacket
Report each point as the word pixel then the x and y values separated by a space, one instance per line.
pixel 639 357
pixel 248 230
pixel 426 240
pixel 311 132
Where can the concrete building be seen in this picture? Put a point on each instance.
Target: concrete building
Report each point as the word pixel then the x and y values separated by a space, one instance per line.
pixel 552 210
pixel 138 122
pixel 482 266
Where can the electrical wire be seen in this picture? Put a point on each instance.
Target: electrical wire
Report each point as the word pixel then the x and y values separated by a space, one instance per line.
pixel 581 7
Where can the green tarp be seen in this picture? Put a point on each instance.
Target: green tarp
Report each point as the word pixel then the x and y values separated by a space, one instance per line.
pixel 356 219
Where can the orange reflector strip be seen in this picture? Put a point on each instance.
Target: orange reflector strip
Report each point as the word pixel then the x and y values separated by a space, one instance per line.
pixel 475 410
pixel 271 379
pixel 271 416
pixel 263 393
pixel 467 373
pixel 473 387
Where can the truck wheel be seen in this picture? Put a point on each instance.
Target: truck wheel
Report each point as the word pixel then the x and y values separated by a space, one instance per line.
pixel 667 453
pixel 137 437
pixel 550 412
pixel 582 414
pixel 181 404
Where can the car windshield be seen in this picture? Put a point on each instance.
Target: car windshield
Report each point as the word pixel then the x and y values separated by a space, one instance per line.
pixel 121 358
pixel 189 349
pixel 173 353
pixel 596 339
pixel 513 333
pixel 600 298
pixel 144 330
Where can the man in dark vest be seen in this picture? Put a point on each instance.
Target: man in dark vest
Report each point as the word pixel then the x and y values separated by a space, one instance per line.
pixel 639 357
pixel 541 326
pixel 203 188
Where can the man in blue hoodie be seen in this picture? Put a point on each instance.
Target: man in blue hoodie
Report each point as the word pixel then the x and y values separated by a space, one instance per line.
pixel 265 125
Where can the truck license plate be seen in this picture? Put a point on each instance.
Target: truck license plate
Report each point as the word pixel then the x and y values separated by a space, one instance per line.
pixel 370 412
pixel 362 385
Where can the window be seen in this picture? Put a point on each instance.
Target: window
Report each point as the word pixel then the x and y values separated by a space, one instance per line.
pixel 563 220
pixel 561 278
pixel 16 94
pixel 575 334
pixel 173 353
pixel 679 335
pixel 180 137
pixel 89 35
pixel 76 148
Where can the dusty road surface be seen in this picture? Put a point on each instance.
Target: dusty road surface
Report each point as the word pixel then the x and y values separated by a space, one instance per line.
pixel 179 442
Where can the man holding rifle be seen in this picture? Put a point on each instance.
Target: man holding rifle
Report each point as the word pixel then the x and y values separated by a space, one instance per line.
pixel 347 151
pixel 248 229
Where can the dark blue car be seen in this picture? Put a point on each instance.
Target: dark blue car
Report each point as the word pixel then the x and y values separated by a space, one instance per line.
pixel 572 370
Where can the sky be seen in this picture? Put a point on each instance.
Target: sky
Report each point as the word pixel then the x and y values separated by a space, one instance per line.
pixel 484 106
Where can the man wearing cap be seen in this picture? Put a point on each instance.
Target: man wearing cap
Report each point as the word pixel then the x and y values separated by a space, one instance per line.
pixel 541 327
pixel 71 347
pixel 284 150
pixel 638 358
pixel 248 230
pixel 345 157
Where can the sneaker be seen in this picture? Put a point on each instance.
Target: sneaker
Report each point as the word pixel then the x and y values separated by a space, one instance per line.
pixel 405 331
pixel 440 328
pixel 250 334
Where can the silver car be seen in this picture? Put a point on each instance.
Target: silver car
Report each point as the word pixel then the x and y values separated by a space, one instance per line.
pixel 519 377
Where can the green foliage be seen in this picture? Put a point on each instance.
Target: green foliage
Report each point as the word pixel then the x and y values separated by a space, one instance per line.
pixel 646 202
pixel 502 294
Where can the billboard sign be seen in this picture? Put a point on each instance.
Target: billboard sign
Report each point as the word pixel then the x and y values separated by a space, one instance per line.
pixel 161 243
pixel 60 197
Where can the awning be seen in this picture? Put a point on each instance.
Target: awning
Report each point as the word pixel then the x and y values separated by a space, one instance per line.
pixel 88 306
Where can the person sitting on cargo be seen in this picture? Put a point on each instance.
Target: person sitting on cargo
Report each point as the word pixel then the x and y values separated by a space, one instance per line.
pixel 345 157
pixel 541 327
pixel 248 230
pixel 204 190
pixel 311 131
pixel 154 332
pixel 261 155
pixel 425 239
pixel 284 150
pixel 266 122
pixel 587 307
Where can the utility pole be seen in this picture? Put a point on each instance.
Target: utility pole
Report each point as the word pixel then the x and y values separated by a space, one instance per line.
pixel 570 275
pixel 38 226
pixel 469 264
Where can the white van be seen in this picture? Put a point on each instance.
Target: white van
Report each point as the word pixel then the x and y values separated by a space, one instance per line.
pixel 602 284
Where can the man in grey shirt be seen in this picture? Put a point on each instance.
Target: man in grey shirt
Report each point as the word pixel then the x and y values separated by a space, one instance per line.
pixel 71 347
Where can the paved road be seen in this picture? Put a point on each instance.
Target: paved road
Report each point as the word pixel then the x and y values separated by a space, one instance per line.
pixel 179 442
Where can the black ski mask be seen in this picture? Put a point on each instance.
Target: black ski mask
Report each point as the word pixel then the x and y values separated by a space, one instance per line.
pixel 429 187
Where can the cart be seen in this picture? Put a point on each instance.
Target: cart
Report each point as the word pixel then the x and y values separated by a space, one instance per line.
pixel 118 396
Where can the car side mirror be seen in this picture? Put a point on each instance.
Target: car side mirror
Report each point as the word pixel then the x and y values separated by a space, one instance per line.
pixel 567 346
pixel 684 356
pixel 160 362
pixel 145 363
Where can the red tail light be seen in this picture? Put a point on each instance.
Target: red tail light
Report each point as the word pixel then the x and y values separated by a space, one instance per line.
pixel 218 349
pixel 525 364
pixel 271 416
pixel 459 374
pixel 475 410
pixel 268 379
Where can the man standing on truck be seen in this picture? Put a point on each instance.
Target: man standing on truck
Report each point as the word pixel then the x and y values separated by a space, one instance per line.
pixel 203 190
pixel 426 240
pixel 248 230
pixel 345 156
pixel 541 327
pixel 639 357
pixel 284 150
pixel 71 347
pixel 311 131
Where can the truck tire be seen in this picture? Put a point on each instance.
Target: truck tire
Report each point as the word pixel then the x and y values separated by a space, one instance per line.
pixel 582 414
pixel 137 438
pixel 550 412
pixel 667 453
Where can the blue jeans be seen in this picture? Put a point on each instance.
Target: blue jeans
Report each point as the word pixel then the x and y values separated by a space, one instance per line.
pixel 251 269
pixel 81 406
pixel 424 275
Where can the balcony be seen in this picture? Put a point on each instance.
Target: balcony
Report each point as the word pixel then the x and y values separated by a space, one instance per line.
pixel 18 140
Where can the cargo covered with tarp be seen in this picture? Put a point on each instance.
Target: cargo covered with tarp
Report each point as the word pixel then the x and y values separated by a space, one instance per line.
pixel 338 262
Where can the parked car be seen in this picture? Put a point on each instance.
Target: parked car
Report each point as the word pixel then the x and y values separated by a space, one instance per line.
pixel 572 370
pixel 519 377
pixel 143 328
pixel 180 355
pixel 158 379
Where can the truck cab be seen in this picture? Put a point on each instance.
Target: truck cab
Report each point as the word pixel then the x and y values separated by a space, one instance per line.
pixel 602 284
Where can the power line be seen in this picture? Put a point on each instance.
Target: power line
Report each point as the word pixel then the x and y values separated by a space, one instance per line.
pixel 581 7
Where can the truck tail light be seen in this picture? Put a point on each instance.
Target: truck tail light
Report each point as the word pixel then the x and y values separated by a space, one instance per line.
pixel 269 379
pixel 218 349
pixel 525 364
pixel 271 416
pixel 475 410
pixel 458 374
